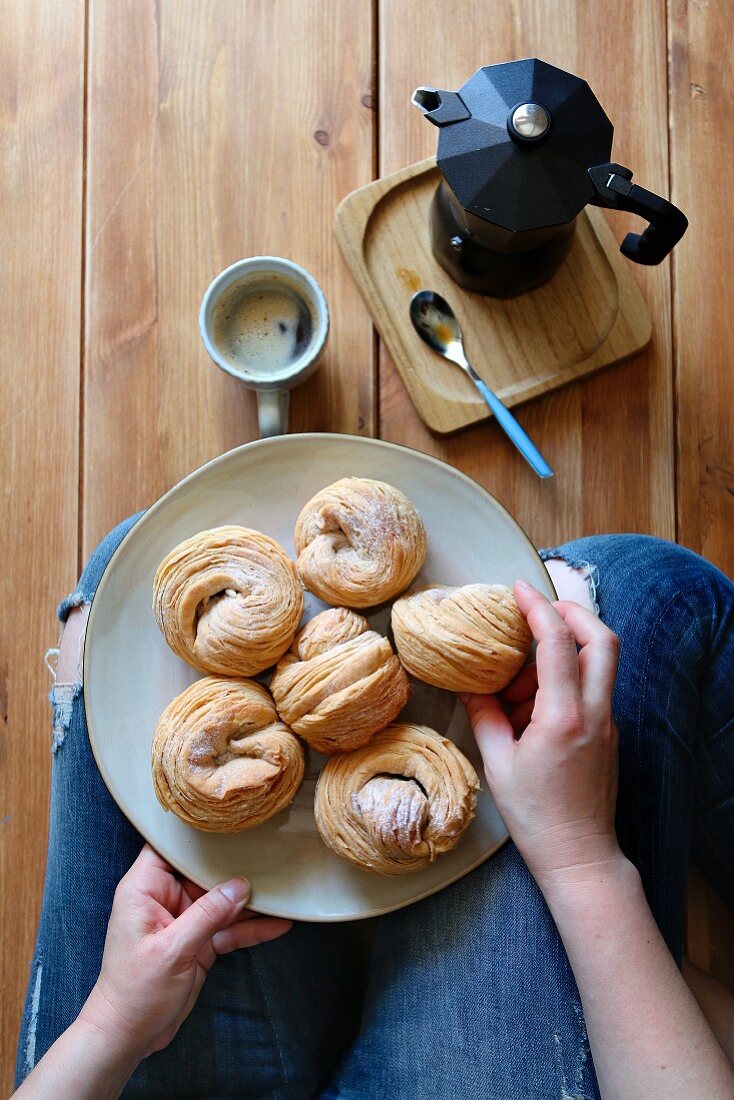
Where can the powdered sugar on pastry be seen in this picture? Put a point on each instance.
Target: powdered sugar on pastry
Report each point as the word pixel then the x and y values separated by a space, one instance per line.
pixel 222 761
pixel 359 542
pixel 398 803
pixel 394 810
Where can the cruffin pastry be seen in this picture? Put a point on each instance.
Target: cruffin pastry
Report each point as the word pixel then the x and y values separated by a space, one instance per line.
pixel 399 802
pixel 222 760
pixel 468 639
pixel 340 683
pixel 228 600
pixel 359 542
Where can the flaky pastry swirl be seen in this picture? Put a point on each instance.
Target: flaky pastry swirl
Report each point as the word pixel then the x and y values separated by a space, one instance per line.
pixel 340 683
pixel 359 542
pixel 228 601
pixel 222 760
pixel 473 638
pixel 399 802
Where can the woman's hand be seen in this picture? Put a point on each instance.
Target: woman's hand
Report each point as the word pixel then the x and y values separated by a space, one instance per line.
pixel 164 935
pixel 555 785
pixel 550 754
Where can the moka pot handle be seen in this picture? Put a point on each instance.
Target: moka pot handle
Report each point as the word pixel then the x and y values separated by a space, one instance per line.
pixel 613 188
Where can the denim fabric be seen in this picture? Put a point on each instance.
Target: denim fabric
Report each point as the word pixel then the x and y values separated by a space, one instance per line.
pixel 674 707
pixel 470 993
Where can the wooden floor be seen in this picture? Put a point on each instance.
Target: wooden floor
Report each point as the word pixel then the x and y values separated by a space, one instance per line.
pixel 146 145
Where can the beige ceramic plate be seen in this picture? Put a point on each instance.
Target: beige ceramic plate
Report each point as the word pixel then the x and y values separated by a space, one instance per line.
pixel 130 675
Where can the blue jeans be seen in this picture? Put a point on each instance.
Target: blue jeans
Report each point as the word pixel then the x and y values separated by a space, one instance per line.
pixel 468 993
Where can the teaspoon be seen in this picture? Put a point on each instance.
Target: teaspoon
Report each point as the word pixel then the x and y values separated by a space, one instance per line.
pixel 436 323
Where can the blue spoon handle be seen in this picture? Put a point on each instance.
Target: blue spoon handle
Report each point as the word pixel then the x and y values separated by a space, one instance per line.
pixel 510 426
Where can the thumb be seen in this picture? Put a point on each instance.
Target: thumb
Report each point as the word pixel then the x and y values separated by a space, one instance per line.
pixel 492 730
pixel 209 915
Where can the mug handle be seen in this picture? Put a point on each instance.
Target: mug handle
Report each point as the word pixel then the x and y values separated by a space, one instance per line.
pixel 272 412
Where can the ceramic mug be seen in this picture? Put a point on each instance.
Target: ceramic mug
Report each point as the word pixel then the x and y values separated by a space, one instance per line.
pixel 265 321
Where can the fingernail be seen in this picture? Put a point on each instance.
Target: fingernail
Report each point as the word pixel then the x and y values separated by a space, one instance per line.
pixel 236 890
pixel 524 586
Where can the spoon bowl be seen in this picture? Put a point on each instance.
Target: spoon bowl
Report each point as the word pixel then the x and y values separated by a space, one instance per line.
pixel 434 321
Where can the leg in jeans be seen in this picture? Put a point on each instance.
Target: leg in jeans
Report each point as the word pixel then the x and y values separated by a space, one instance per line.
pixel 471 994
pixel 271 1020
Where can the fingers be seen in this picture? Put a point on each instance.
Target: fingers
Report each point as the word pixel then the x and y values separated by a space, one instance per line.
pixel 193 891
pixel 599 654
pixel 148 867
pixel 248 932
pixel 150 860
pixel 492 730
pixel 151 876
pixel 208 915
pixel 584 624
pixel 523 687
pixel 559 688
pixel 556 657
pixel 520 715
pixel 565 677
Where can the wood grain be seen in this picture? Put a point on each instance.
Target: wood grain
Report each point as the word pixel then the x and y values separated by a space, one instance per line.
pixel 615 430
pixel 217 130
pixel 590 314
pixel 701 36
pixel 41 126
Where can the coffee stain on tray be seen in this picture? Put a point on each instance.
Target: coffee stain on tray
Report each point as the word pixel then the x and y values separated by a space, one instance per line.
pixel 409 278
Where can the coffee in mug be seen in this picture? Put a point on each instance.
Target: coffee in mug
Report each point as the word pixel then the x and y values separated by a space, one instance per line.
pixel 265 321
pixel 262 330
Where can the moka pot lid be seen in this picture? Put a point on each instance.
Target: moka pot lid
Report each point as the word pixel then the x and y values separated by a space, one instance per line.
pixel 516 141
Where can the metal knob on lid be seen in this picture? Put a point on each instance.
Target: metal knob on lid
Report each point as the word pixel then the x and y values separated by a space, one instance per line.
pixel 529 122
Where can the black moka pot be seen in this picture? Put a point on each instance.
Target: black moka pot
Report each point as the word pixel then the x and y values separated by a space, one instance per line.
pixel 523 148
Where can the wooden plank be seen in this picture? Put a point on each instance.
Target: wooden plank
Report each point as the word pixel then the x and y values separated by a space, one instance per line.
pixel 701 46
pixel 701 38
pixel 217 130
pixel 611 432
pixel 41 112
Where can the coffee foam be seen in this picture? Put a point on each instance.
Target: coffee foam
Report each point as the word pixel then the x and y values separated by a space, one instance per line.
pixel 262 327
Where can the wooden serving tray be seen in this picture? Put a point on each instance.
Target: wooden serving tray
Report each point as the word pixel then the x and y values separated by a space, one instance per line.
pixel 589 315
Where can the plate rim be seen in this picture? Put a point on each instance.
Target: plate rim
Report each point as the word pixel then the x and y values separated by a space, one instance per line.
pixel 265 910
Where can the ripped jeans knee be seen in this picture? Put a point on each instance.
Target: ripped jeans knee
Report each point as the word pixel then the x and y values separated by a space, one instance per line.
pixel 573 579
pixel 66 661
pixel 66 666
pixel 28 1051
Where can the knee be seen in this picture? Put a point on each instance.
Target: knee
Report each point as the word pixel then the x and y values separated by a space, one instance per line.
pixel 69 663
pixel 67 672
pixel 664 574
pixel 576 583
pixel 642 568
